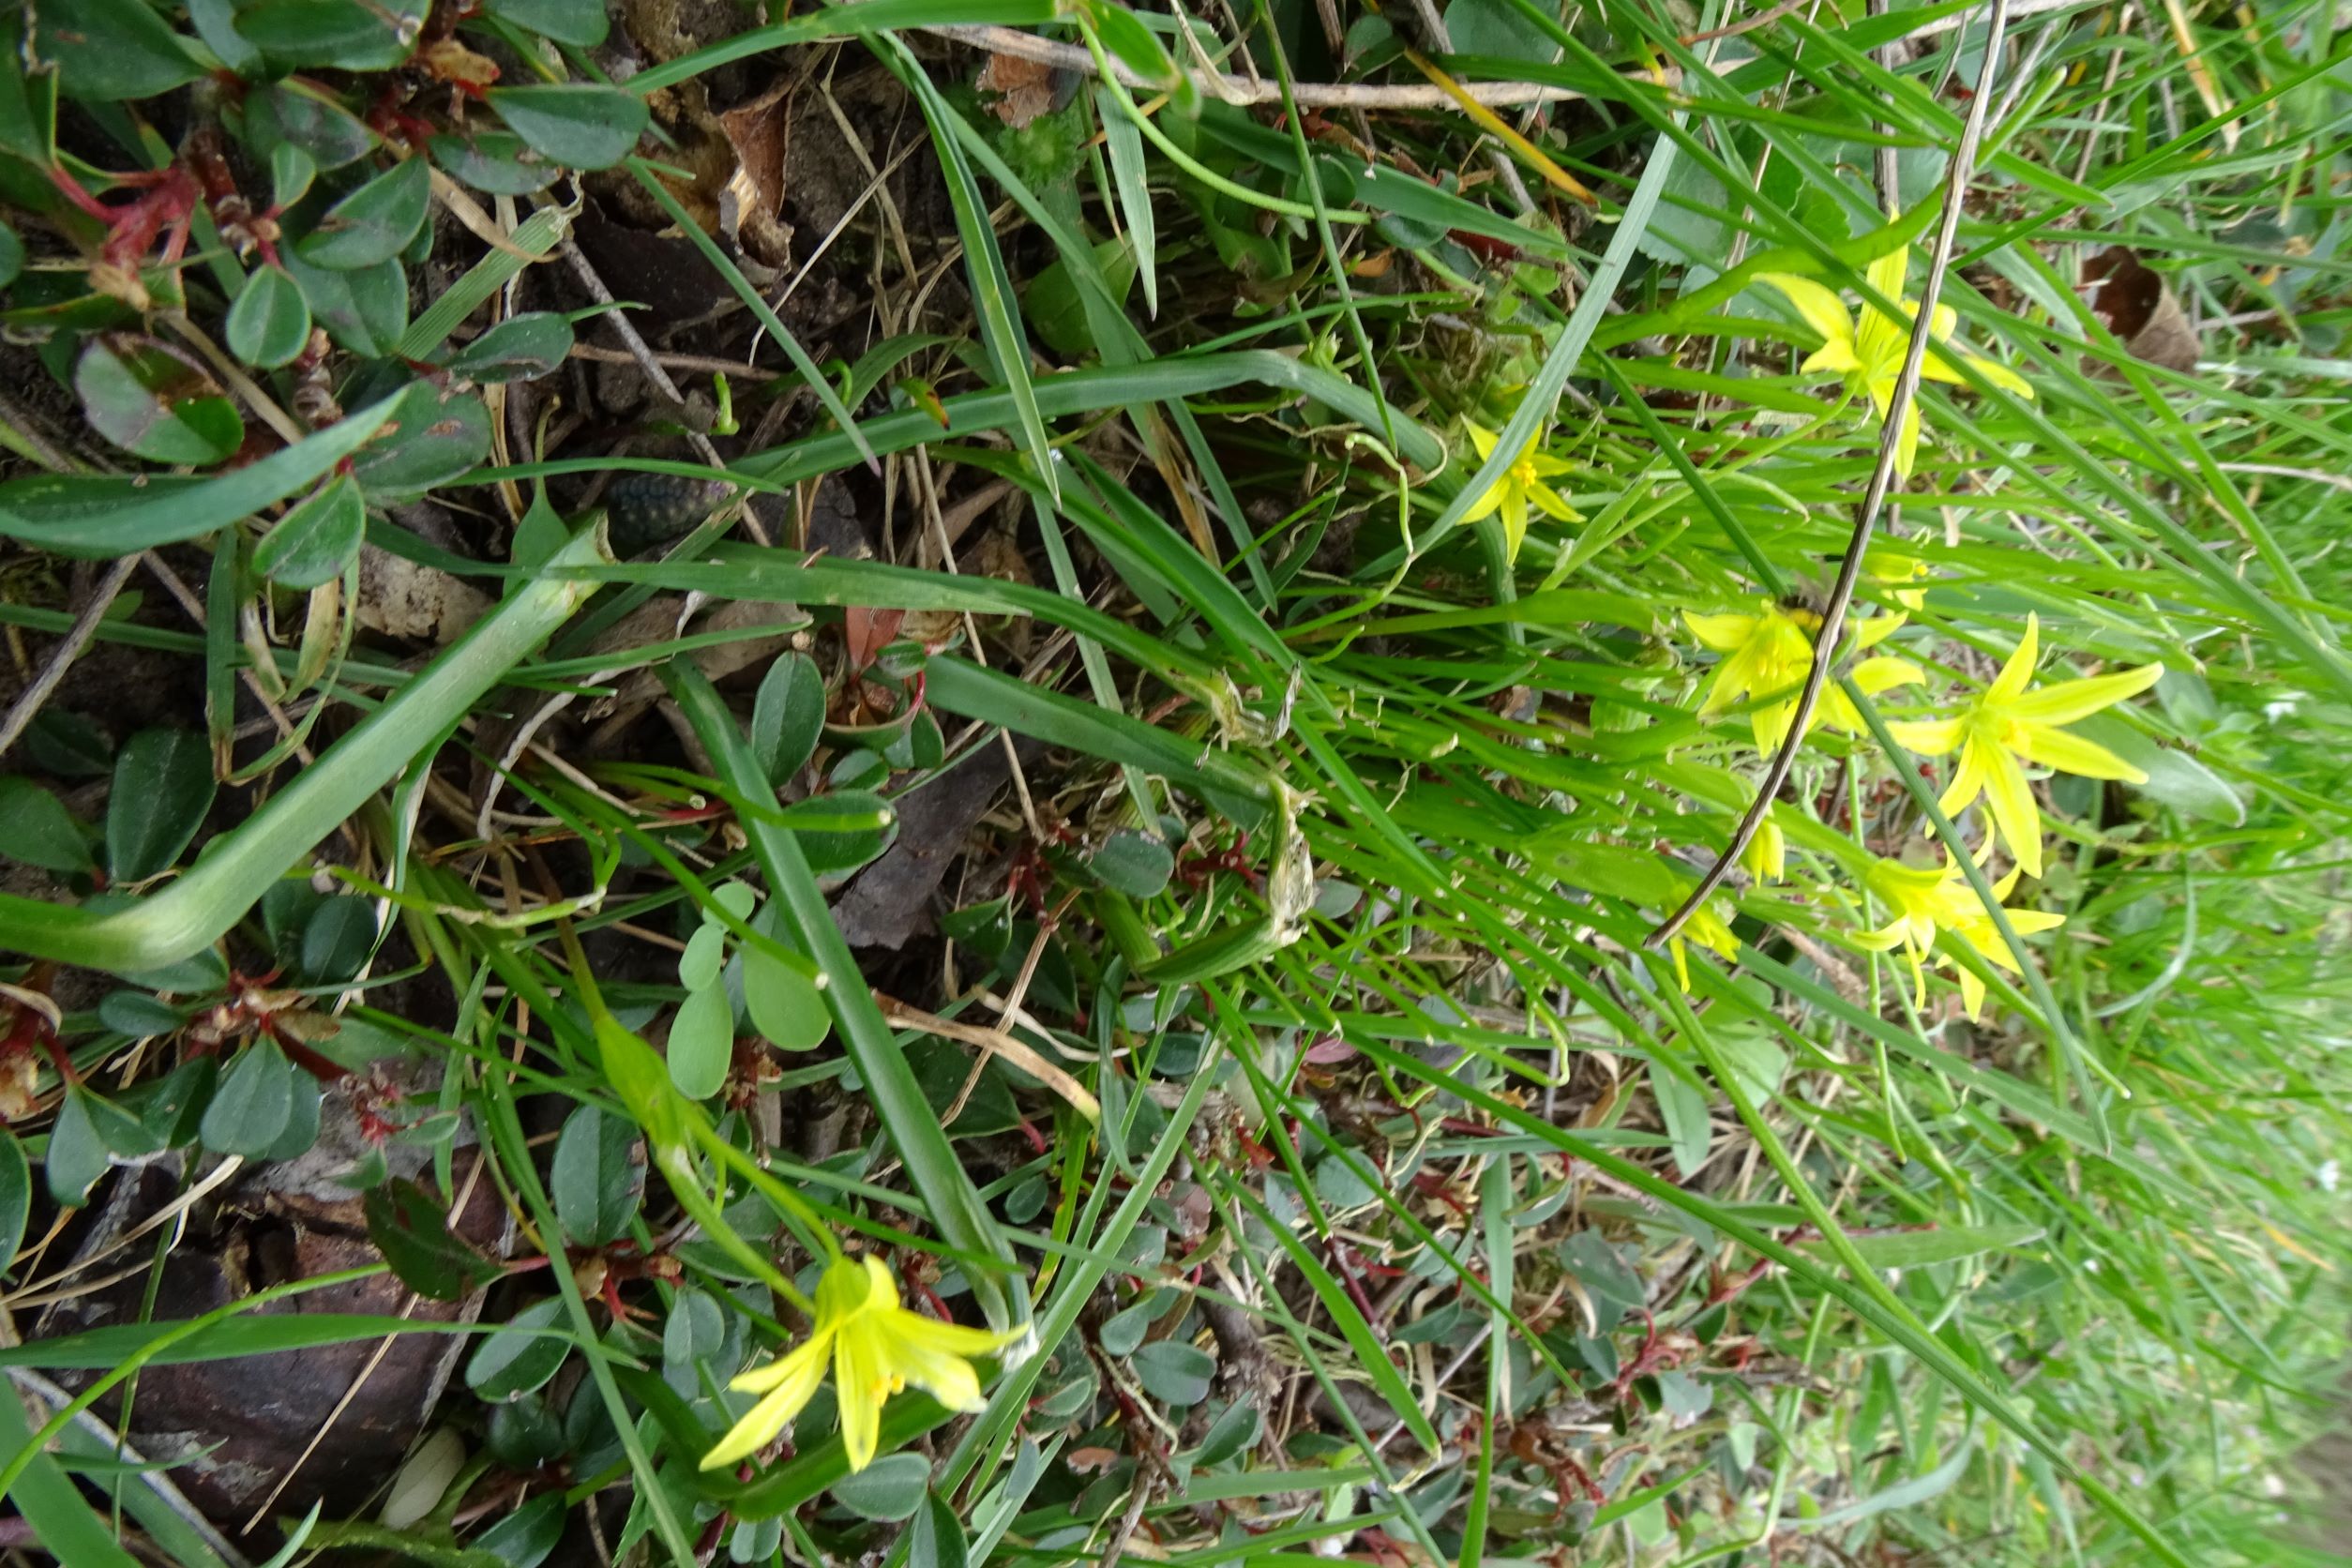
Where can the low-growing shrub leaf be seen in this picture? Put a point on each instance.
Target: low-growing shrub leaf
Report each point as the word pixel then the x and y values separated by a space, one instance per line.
pixel 270 322
pixel 518 349
pixel 313 543
pixel 163 785
pixel 787 716
pixel 517 1360
pixel 150 403
pixel 579 126
pixel 375 223
pixel 35 828
pixel 596 1178
pixel 411 1228
pixel 114 50
pixel 252 1103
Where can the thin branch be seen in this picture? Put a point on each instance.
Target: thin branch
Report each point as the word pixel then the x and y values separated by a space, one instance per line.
pixel 1874 497
pixel 1241 91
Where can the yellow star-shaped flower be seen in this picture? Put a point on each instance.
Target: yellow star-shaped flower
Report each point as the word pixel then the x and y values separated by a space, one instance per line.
pixel 1766 654
pixel 877 1349
pixel 1870 354
pixel 2007 727
pixel 1928 899
pixel 1711 932
pixel 1522 484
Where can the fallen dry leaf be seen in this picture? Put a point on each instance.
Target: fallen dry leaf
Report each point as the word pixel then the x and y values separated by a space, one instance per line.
pixel 2139 307
pixel 751 205
pixel 1020 91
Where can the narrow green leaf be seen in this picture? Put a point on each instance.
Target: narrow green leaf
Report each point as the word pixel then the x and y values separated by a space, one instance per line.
pixel 105 515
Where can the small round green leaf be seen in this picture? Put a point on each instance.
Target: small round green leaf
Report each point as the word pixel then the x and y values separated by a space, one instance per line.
pixel 580 126
pixel 313 544
pixel 149 402
pixel 163 785
pixel 1175 1373
pixel 375 223
pixel 783 1003
pixel 270 322
pixel 695 1328
pixel 518 349
pixel 1133 863
pixel 337 939
pixel 336 35
pixel 891 1488
pixel 597 1178
pixel 305 116
pixel 76 1155
pixel 251 1108
pixel 515 1360
pixel 290 171
pixel 138 1015
pixel 36 829
pixel 702 1041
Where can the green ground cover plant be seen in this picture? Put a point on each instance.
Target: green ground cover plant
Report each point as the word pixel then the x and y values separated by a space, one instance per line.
pixel 942 782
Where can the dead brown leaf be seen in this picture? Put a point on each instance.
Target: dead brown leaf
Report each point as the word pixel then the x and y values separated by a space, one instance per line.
pixel 1021 91
pixel 2139 307
pixel 752 206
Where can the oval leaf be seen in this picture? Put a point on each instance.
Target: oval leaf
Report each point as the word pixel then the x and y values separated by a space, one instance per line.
pixel 703 1041
pixel 495 162
pixel 597 1178
pixel 574 21
pixel 435 436
pixel 783 1003
pixel 252 1106
pixel 313 543
pixel 579 126
pixel 518 349
pixel 16 1196
pixel 111 50
pixel 411 1228
pixel 163 785
pixel 890 1488
pixel 36 829
pixel 788 716
pixel 515 1360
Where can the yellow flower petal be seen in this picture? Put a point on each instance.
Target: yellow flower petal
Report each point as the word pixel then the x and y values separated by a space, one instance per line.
pixel 807 1359
pixel 1887 273
pixel 2013 811
pixel 1821 309
pixel 1929 737
pixel 2068 701
pixel 2071 753
pixel 1723 633
pixel 1554 505
pixel 2011 683
pixel 1482 438
pixel 1833 359
pixel 758 1428
pixel 1967 779
pixel 1883 673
